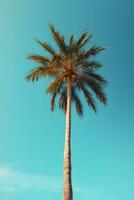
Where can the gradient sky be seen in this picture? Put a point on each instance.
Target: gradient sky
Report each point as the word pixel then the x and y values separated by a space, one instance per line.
pixel 32 138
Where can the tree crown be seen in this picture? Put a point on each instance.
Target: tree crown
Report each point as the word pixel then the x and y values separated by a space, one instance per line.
pixel 74 63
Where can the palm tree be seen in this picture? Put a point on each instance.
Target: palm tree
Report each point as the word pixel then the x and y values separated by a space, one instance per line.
pixel 72 69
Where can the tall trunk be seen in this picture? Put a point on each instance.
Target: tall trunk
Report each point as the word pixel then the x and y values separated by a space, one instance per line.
pixel 67 192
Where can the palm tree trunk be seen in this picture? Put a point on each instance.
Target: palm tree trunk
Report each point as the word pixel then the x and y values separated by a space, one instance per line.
pixel 67 192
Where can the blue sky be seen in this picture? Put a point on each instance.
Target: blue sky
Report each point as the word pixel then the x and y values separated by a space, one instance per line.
pixel 32 138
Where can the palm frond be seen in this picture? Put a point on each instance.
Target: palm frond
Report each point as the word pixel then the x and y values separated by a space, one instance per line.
pixel 101 95
pixel 81 38
pixel 75 98
pixel 59 39
pixel 63 100
pixel 88 96
pixel 78 103
pixel 36 74
pixel 97 77
pixel 47 47
pixel 84 42
pixel 54 95
pixel 72 41
pixel 38 59
pixel 93 51
pixel 42 71
pixel 54 86
pixel 91 64
pixel 97 87
pixel 53 100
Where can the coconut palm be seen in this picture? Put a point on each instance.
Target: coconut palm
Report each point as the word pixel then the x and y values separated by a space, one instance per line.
pixel 72 69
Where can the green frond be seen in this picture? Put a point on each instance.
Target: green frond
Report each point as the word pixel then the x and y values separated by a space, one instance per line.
pixel 85 55
pixel 93 51
pixel 84 42
pixel 63 100
pixel 75 99
pixel 54 95
pixel 97 77
pixel 90 101
pixel 81 58
pixel 78 103
pixel 98 90
pixel 53 100
pixel 38 59
pixel 101 96
pixel 94 64
pixel 81 38
pixel 88 65
pixel 59 39
pixel 97 87
pixel 72 41
pixel 47 47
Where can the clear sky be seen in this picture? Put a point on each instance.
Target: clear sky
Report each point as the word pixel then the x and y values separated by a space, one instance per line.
pixel 32 138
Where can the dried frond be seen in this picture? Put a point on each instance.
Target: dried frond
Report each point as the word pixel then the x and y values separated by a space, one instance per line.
pixel 35 74
pixel 38 59
pixel 54 86
pixel 42 71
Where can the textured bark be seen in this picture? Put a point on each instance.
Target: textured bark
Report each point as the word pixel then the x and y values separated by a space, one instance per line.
pixel 67 192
